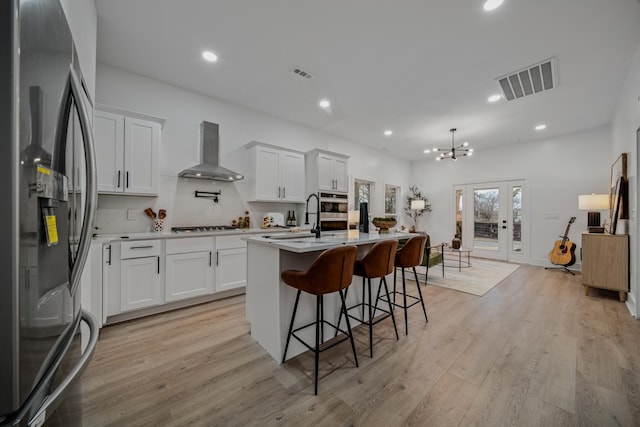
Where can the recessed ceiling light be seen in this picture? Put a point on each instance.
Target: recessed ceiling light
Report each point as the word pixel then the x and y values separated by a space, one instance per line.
pixel 541 127
pixel 388 132
pixel 494 98
pixel 492 4
pixel 426 151
pixel 209 56
pixel 324 103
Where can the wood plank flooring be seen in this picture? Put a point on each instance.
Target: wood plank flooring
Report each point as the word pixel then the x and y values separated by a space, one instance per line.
pixel 533 351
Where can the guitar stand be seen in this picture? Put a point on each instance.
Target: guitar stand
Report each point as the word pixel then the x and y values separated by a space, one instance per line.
pixel 561 268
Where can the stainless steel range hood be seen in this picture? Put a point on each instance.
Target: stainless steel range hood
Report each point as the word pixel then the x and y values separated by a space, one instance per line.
pixel 210 169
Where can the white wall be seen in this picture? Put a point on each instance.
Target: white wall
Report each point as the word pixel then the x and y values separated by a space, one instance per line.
pixel 184 111
pixel 82 18
pixel 625 124
pixel 556 171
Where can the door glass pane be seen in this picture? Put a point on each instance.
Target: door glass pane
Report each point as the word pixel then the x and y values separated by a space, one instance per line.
pixel 516 207
pixel 458 234
pixel 390 200
pixel 485 219
pixel 362 192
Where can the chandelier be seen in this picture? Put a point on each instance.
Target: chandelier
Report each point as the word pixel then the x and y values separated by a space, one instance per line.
pixel 454 152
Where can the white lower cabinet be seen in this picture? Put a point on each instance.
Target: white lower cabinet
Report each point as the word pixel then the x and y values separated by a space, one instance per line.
pixel 189 268
pixel 231 263
pixel 140 275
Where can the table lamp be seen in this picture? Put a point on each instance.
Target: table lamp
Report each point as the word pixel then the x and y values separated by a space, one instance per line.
pixel 593 203
pixel 416 205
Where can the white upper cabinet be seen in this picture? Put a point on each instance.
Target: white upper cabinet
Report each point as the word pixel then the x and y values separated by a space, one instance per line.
pixel 275 174
pixel 327 171
pixel 127 153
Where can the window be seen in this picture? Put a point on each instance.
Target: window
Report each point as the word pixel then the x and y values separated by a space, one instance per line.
pixel 362 194
pixel 391 193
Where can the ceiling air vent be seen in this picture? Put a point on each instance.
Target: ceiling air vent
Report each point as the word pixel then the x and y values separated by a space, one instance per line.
pixel 528 81
pixel 302 73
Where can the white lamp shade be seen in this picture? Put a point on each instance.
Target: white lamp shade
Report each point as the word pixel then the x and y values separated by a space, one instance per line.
pixel 593 202
pixel 417 204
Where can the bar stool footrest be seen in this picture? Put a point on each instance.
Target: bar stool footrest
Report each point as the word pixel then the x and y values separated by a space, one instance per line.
pixel 334 343
pixel 417 300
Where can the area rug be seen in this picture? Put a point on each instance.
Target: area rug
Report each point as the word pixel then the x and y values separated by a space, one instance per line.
pixel 480 278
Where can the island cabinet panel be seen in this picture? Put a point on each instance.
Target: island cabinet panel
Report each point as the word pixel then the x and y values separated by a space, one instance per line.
pixel 605 262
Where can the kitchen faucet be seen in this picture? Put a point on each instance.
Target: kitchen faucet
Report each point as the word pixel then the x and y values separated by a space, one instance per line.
pixel 315 230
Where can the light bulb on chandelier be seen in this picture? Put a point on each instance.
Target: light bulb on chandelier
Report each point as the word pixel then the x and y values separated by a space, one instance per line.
pixel 454 152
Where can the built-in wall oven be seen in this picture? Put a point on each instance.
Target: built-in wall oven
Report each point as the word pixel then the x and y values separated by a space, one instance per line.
pixel 334 212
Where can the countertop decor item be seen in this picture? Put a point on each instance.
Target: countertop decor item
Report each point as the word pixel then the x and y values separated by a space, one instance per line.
pixel 384 224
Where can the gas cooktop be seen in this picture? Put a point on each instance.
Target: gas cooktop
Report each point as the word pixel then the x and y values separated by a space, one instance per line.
pixel 202 228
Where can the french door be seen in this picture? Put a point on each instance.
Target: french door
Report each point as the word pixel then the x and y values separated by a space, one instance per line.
pixel 491 219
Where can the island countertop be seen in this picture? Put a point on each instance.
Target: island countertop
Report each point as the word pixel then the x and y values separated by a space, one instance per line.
pixel 303 242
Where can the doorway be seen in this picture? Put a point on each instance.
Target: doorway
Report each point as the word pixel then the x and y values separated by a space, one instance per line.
pixel 491 219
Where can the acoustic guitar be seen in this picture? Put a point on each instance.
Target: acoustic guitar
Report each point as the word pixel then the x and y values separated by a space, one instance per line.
pixel 564 251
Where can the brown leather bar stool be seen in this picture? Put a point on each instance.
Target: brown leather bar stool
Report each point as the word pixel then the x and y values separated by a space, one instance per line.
pixel 331 272
pixel 409 256
pixel 378 262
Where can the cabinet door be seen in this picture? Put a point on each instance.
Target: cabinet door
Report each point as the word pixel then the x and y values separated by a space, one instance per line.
pixel 188 275
pixel 141 156
pixel 605 261
pixel 340 174
pixel 109 146
pixel 325 172
pixel 231 269
pixel 292 177
pixel 267 174
pixel 140 283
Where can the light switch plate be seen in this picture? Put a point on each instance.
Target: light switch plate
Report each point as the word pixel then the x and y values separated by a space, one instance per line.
pixel 132 214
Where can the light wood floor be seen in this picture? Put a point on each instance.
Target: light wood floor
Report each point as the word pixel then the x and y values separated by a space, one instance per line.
pixel 533 351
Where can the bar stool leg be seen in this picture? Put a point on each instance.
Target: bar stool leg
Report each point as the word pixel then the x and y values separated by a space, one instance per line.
pixel 394 286
pixel 420 293
pixel 293 316
pixel 344 308
pixel 340 315
pixel 404 295
pixel 393 318
pixel 363 299
pixel 316 350
pixel 370 322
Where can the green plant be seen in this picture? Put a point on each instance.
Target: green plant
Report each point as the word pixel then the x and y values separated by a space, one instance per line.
pixel 415 194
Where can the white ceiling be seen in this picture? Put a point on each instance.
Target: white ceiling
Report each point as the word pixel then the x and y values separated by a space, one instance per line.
pixel 418 67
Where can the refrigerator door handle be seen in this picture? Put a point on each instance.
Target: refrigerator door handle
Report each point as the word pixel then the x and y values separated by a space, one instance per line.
pixel 52 400
pixel 91 183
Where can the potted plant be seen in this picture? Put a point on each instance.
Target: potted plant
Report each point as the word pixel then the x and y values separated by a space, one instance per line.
pixel 415 194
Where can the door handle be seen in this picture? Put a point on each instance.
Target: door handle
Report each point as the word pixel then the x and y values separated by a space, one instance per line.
pixel 209 258
pixel 109 260
pixel 504 226
pixel 284 192
pixel 217 257
pixel 141 247
pixel 127 179
pixel 158 265
pixel 279 192
pixel 118 180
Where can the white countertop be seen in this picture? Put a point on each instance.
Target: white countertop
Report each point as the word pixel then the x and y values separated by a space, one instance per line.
pixel 302 242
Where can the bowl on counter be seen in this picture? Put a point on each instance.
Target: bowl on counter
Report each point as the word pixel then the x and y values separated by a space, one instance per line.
pixel 384 224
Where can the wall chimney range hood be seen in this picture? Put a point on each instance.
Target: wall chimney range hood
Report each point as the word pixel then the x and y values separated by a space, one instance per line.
pixel 210 169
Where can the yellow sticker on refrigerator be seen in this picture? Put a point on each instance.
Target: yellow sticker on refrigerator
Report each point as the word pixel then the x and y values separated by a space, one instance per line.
pixel 44 170
pixel 52 229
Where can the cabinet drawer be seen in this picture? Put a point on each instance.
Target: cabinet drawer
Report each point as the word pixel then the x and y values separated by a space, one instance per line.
pixel 227 242
pixel 139 249
pixel 191 244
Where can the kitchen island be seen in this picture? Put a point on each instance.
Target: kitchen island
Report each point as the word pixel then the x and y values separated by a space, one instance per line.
pixel 269 302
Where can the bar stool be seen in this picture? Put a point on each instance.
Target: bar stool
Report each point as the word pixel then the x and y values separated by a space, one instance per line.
pixel 409 256
pixel 331 272
pixel 378 262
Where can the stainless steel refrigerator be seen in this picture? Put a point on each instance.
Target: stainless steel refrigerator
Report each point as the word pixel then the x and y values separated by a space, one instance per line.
pixel 47 209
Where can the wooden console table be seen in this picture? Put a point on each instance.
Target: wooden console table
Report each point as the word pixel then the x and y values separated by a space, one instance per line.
pixel 605 262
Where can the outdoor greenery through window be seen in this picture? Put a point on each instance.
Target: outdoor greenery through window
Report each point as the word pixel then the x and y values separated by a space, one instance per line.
pixel 391 193
pixel 362 193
